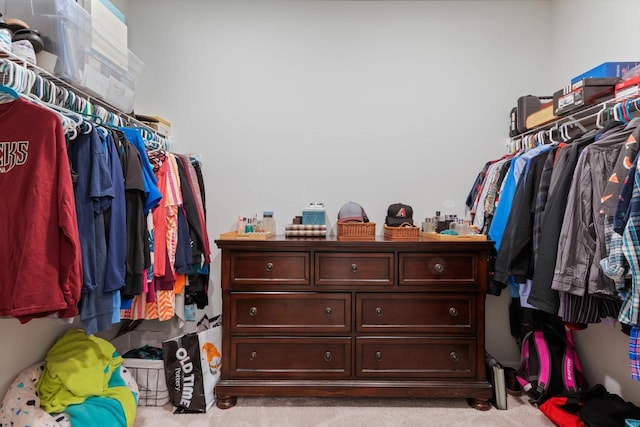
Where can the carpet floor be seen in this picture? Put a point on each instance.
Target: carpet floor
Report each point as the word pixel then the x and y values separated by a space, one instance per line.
pixel 348 412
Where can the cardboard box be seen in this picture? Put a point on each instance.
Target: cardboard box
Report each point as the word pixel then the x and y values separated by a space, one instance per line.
pixel 541 117
pixel 606 69
pixel 530 112
pixel 628 88
pixel 313 217
pixel 589 91
pixel 157 123
pixel 109 36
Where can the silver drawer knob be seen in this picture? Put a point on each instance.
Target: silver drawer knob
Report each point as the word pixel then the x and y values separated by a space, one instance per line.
pixel 453 356
pixel 453 311
pixel 438 268
pixel 253 355
pixel 354 268
pixel 327 356
pixel 253 311
pixel 269 266
pixel 378 356
pixel 378 311
pixel 328 311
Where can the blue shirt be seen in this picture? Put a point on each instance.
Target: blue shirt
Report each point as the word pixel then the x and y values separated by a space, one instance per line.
pixel 93 195
pixel 152 194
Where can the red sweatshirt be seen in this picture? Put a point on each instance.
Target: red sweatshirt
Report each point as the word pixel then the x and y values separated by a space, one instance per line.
pixel 40 264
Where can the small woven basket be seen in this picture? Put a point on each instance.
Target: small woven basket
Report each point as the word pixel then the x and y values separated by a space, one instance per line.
pixel 401 233
pixel 357 231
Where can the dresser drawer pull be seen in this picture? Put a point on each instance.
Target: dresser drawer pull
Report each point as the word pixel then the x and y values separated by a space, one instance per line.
pixel 269 266
pixel 439 268
pixel 453 311
pixel 327 356
pixel 453 356
pixel 253 355
pixel 378 311
pixel 253 311
pixel 378 356
pixel 354 268
pixel 328 311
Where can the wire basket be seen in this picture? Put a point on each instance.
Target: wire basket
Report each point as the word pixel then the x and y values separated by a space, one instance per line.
pixel 401 233
pixel 357 231
pixel 150 376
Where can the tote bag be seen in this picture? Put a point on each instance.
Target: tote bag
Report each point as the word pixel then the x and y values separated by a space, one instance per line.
pixel 192 363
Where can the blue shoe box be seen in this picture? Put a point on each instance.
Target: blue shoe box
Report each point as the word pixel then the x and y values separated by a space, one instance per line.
pixel 606 69
pixel 313 217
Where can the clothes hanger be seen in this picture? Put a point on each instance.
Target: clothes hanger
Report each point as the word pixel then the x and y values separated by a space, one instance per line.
pixel 599 116
pixel 564 132
pixel 71 121
pixel 550 132
pixel 7 92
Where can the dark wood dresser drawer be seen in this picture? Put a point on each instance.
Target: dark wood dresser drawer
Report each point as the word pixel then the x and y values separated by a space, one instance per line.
pixel 438 269
pixel 327 313
pixel 270 268
pixel 290 357
pixel 413 312
pixel 354 269
pixel 415 357
pixel 321 317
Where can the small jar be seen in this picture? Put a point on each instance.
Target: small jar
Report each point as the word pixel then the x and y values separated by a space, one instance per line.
pixel 268 222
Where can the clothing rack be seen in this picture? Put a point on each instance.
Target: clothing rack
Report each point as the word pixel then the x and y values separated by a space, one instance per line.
pixel 29 80
pixel 622 109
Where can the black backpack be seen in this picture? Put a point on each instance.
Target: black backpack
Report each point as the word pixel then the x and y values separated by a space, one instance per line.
pixel 549 364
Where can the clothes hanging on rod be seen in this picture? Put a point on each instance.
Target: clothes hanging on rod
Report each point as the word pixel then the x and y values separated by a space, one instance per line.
pixel 567 251
pixel 32 80
pixel 567 127
pixel 40 257
pixel 113 203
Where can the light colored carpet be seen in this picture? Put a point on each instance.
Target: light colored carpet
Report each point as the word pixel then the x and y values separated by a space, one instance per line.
pixel 348 412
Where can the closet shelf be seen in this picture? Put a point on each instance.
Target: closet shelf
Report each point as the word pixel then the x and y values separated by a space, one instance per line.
pixel 594 116
pixel 126 119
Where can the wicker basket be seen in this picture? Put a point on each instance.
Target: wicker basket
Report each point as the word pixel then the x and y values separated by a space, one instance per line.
pixel 357 231
pixel 401 233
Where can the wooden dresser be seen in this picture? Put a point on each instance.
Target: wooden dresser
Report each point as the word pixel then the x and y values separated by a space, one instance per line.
pixel 321 317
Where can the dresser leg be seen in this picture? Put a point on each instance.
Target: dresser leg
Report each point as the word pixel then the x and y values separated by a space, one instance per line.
pixel 479 404
pixel 226 402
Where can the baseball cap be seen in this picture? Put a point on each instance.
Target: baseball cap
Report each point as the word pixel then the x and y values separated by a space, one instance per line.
pixel 399 214
pixel 352 212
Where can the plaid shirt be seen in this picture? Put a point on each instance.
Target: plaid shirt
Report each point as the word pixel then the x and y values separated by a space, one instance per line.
pixel 631 249
pixel 614 264
pixel 634 354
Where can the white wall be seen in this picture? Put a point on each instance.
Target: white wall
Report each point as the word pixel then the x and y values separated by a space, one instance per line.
pixel 289 102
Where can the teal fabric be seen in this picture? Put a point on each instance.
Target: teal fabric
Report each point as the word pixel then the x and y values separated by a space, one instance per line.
pixel 99 411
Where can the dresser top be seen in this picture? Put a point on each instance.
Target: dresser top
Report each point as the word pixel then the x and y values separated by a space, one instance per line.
pixel 281 242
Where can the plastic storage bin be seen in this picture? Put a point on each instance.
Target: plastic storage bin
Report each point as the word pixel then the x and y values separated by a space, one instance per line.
pixel 65 28
pixel 114 84
pixel 80 49
pixel 112 70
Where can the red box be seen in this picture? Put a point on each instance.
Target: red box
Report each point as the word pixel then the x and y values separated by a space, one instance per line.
pixel 628 88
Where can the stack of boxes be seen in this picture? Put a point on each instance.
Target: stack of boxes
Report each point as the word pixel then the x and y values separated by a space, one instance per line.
pixel 86 45
pixel 591 87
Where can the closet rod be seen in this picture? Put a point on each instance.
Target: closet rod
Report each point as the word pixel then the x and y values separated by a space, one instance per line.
pixel 125 118
pixel 585 119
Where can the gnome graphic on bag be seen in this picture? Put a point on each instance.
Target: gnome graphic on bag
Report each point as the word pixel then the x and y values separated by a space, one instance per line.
pixel 214 358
